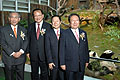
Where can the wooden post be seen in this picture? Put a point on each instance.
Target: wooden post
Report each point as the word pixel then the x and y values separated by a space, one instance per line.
pixel 3 18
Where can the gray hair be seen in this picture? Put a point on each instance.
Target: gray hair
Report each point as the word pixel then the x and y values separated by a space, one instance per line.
pixel 14 12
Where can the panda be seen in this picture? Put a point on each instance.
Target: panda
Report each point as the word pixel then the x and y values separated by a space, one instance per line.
pixel 93 54
pixel 107 54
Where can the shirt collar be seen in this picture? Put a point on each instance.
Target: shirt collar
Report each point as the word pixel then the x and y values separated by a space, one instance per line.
pixel 14 27
pixel 40 23
pixel 75 29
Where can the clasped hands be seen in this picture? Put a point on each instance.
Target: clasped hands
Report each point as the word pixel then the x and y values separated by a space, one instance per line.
pixel 17 54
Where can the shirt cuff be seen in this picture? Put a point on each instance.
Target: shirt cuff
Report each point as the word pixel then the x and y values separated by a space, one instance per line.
pixel 12 53
pixel 21 50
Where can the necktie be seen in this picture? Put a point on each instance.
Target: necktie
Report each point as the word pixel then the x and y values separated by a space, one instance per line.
pixel 38 31
pixel 15 32
pixel 76 35
pixel 57 34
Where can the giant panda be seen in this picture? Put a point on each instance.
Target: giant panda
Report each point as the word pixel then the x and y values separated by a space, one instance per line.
pixel 93 54
pixel 107 54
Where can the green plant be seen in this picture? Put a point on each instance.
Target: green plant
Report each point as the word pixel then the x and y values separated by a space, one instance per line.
pixel 113 32
pixel 94 66
pixel 95 20
pixel 24 23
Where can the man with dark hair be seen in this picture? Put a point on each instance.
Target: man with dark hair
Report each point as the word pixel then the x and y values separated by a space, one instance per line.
pixel 74 54
pixel 36 48
pixel 14 43
pixel 52 49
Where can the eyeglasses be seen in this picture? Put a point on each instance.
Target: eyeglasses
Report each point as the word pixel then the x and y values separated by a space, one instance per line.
pixel 14 17
pixel 75 21
pixel 36 16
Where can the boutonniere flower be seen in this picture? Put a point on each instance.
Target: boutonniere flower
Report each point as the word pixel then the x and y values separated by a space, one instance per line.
pixel 11 35
pixel 42 31
pixel 82 35
pixel 22 35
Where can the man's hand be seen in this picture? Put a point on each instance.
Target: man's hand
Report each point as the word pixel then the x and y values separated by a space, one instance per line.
pixel 63 67
pixel 17 54
pixel 87 64
pixel 51 65
pixel 28 55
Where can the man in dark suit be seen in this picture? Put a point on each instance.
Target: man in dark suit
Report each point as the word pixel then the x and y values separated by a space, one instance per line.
pixel 52 49
pixel 36 48
pixel 74 50
pixel 14 43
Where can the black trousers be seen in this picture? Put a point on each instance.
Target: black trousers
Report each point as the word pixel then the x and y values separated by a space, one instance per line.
pixel 14 72
pixel 43 70
pixel 74 75
pixel 57 74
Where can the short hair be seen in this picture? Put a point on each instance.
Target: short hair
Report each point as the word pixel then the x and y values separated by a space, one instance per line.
pixel 37 9
pixel 14 12
pixel 73 14
pixel 55 16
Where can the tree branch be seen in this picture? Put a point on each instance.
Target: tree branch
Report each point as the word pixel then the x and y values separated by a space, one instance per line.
pixel 52 8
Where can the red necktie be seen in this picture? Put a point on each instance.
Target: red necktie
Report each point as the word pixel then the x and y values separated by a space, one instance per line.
pixel 38 32
pixel 76 35
pixel 57 34
pixel 15 32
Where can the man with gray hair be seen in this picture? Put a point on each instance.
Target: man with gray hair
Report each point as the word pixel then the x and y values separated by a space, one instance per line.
pixel 14 43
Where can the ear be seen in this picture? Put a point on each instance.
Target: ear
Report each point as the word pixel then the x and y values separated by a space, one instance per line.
pixel 9 18
pixel 19 19
pixel 89 50
pixel 43 15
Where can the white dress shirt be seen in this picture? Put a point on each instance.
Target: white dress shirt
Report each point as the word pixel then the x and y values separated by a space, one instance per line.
pixel 39 25
pixel 77 30
pixel 56 31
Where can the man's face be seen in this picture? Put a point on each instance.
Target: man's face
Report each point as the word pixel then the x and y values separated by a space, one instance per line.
pixel 56 22
pixel 74 22
pixel 38 16
pixel 14 18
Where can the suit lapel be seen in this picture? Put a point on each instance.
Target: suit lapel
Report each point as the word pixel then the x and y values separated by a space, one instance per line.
pixel 54 35
pixel 80 40
pixel 43 25
pixel 10 32
pixel 18 32
pixel 34 30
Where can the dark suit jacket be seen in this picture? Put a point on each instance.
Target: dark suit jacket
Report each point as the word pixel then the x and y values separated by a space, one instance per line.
pixel 36 47
pixel 72 52
pixel 52 47
pixel 10 44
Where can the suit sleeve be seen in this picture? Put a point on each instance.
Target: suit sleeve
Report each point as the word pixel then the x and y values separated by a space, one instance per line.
pixel 4 44
pixel 62 49
pixel 47 48
pixel 25 42
pixel 86 50
pixel 28 37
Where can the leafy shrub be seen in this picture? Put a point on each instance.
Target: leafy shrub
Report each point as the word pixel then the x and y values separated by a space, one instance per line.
pixel 24 23
pixel 113 32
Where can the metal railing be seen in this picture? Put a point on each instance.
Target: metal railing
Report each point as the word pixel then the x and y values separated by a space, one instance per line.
pixel 103 59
